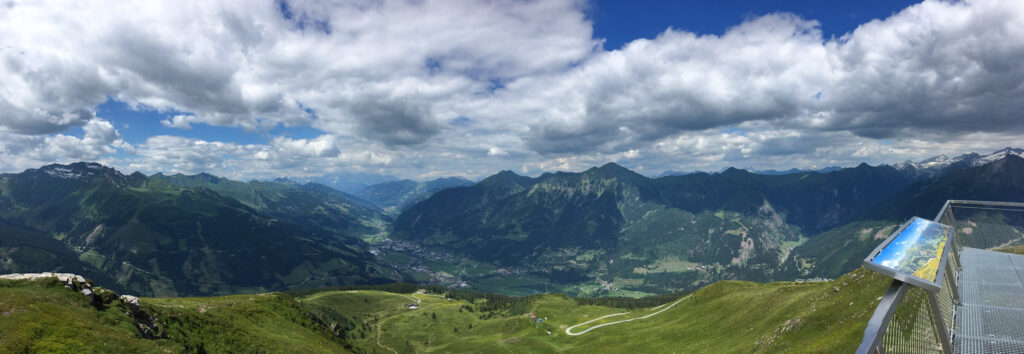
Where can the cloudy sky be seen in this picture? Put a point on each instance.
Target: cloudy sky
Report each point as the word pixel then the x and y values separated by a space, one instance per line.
pixel 425 88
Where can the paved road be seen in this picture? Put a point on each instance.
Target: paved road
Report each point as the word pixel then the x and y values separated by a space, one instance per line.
pixel 569 330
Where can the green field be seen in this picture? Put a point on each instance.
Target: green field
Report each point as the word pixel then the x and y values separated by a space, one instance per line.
pixel 728 316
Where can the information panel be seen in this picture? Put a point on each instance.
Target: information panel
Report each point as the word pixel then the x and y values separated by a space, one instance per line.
pixel 913 254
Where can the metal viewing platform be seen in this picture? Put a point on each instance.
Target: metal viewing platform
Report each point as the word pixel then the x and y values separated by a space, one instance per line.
pixel 980 305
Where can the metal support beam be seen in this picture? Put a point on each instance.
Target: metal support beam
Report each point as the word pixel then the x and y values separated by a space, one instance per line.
pixel 940 325
pixel 952 283
pixel 879 321
pixel 986 203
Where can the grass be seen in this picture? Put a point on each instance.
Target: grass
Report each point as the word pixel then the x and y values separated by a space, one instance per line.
pixel 728 316
pixel 44 317
pixel 1011 249
pixel 270 322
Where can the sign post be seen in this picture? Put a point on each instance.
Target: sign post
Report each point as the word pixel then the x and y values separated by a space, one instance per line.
pixel 916 254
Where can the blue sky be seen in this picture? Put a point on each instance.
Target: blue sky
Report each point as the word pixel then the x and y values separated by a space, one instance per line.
pixel 135 125
pixel 261 89
pixel 620 22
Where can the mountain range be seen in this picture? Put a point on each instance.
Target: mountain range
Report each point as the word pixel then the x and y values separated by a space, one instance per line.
pixel 396 196
pixel 603 231
pixel 610 231
pixel 183 235
pixel 941 164
pixel 348 182
pixel 611 225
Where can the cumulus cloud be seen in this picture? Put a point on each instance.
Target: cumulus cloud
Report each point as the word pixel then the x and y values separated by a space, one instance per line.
pixel 179 121
pixel 280 157
pixel 469 87
pixel 764 69
pixel 256 65
pixel 937 66
pixel 496 151
pixel 99 138
pixel 394 122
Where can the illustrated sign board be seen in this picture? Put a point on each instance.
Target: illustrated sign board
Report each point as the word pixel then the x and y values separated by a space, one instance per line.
pixel 914 254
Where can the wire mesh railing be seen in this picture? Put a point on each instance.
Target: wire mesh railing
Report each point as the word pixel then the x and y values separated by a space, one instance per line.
pixel 922 321
pixel 913 320
pixel 911 329
pixel 989 225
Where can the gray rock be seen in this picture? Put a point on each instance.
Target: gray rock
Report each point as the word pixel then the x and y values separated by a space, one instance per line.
pixel 68 279
pixel 131 301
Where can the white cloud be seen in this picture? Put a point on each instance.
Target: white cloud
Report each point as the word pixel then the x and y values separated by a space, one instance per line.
pixel 322 146
pixel 20 151
pixel 468 87
pixel 495 151
pixel 179 121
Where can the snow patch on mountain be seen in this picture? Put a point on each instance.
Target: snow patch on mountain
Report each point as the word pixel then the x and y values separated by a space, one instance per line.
pixel 939 164
pixel 62 172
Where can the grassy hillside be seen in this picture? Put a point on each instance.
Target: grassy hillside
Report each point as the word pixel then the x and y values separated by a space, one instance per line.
pixel 837 251
pixel 728 316
pixel 271 322
pixel 43 316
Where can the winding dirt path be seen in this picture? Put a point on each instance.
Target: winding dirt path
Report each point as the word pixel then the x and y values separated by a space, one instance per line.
pixel 569 330
pixel 381 323
pixel 378 336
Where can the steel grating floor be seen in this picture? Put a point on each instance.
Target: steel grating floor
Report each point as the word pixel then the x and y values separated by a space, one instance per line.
pixel 991 319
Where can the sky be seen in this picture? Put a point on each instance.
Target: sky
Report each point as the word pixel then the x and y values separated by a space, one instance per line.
pixel 424 89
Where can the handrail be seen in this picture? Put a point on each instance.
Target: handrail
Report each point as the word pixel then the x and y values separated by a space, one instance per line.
pixel 921 320
pixel 981 202
pixel 879 321
pixel 881 318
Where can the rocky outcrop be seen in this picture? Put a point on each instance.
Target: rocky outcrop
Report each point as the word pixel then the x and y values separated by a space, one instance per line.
pixel 74 282
pixel 101 299
pixel 130 301
pixel 68 279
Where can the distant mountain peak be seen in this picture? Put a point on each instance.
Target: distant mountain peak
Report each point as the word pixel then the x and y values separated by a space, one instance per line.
pixel 507 173
pixel 612 166
pixel 612 170
pixel 941 163
pixel 999 154
pixel 735 171
pixel 505 177
pixel 79 171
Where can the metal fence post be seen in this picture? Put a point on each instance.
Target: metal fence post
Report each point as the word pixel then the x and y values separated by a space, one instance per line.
pixel 940 326
pixel 879 321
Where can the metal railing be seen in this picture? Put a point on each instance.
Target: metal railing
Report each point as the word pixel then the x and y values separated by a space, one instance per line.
pixel 913 320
